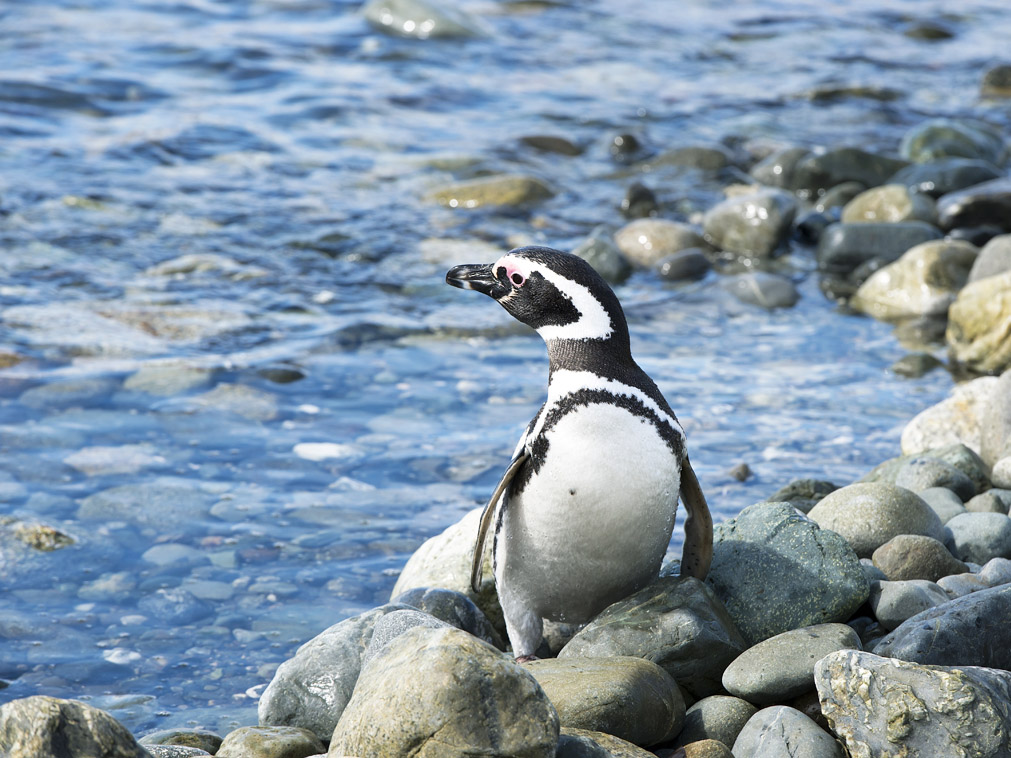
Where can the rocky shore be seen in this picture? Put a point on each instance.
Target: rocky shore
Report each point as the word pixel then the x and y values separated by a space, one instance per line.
pixel 869 619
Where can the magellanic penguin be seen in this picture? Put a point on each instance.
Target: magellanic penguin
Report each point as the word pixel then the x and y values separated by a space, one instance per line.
pixel 585 510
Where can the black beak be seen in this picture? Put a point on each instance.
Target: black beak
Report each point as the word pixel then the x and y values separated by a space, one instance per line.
pixel 475 276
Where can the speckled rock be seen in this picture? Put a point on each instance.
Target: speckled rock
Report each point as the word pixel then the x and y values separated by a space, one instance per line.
pixel 776 570
pixel 882 707
pixel 195 738
pixel 953 138
pixel 782 667
pixel 784 732
pixel 889 203
pixel 391 625
pixel 979 324
pixel 844 247
pixel 311 689
pixel 601 252
pixel 270 742
pixel 923 282
pixel 992 501
pixel 978 537
pixel 677 623
pixel 913 556
pixel 631 698
pixel 755 224
pixel 763 289
pixel 959 632
pixel 175 751
pixel 821 170
pixel 647 240
pixel 996 571
pixel 956 419
pixel 922 472
pixel 717 717
pixel 945 175
pixel 454 608
pixel 994 258
pixel 417 698
pixel 868 514
pixel 982 204
pixel 894 602
pixel 47 727
pixel 583 743
pixel 500 191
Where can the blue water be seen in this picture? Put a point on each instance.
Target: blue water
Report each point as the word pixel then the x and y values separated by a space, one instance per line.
pixel 229 196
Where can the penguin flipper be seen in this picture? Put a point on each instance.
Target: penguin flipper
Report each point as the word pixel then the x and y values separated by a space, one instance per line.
pixel 488 515
pixel 697 553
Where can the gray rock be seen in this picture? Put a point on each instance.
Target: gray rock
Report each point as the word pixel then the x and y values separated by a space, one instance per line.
pixel 420 19
pixel 784 732
pixel 677 623
pixel 600 251
pixel 163 503
pixel 754 225
pixel 717 717
pixel 992 501
pixel 882 707
pixel 987 204
pixel 820 171
pixel 47 727
pixel 684 264
pixel 924 471
pixel 552 143
pixel 872 572
pixel 996 571
pixel 894 602
pixel 956 419
pixel 915 365
pixel 631 698
pixel 639 202
pixel 997 82
pixel 312 689
pixel 889 203
pixel 270 742
pixel 869 630
pixel 763 289
pixel 782 667
pixel 455 608
pixel 200 739
pixel 945 175
pixel 802 494
pixel 978 537
pixel 950 138
pixel 418 698
pixel 776 570
pixel 958 585
pixel 995 425
pixel 175 751
pixel 390 626
pixel 994 258
pixel 923 282
pixel 779 168
pixel 700 157
pixel 838 196
pixel 504 190
pixel 868 514
pixel 583 743
pixel 844 247
pixel 166 378
pixel 965 460
pixel 647 240
pixel 1001 473
pixel 175 606
pixel 960 632
pixel 914 556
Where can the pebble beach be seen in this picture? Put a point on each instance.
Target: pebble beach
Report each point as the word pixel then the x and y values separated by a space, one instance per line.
pixel 246 430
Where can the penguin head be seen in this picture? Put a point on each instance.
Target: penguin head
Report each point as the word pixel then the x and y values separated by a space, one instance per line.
pixel 556 293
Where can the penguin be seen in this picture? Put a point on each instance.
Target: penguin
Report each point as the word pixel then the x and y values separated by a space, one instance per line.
pixel 585 510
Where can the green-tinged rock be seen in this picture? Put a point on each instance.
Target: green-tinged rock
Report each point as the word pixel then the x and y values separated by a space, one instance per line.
pixel 979 325
pixel 552 143
pixel 165 378
pixel 442 693
pixel 501 191
pixel 769 291
pixel 697 157
pixel 953 138
pixel 601 252
pixel 420 19
pixel 922 472
pixel 584 743
pixel 822 170
pixel 717 717
pixel 987 204
pixel 780 168
pixel 645 241
pixel 631 698
pixel 883 708
pixel 844 247
pixel 997 82
pixel 868 514
pixel 889 203
pixel 675 622
pixel 47 727
pixel 994 258
pixel 776 570
pixel 755 224
pixel 196 738
pixel 945 175
pixel 41 536
pixel 270 742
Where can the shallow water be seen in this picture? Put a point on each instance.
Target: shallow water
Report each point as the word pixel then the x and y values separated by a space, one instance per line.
pixel 216 250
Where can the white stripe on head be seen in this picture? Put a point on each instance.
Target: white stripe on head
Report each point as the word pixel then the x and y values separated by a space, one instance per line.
pixel 593 322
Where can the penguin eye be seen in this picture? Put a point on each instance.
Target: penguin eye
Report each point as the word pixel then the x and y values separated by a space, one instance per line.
pixel 517 279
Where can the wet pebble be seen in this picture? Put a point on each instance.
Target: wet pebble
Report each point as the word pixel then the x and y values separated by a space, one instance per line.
pixel 997 82
pixel 953 138
pixel 753 224
pixel 700 157
pixel 269 742
pixel 822 170
pixel 913 556
pixel 844 247
pixel 601 252
pixel 915 365
pixel 551 143
pixel 639 202
pixel 717 717
pixel 683 265
pixel 980 204
pixel 646 241
pixel 945 175
pixel 889 203
pixel 780 167
pixel 763 289
pixel 494 191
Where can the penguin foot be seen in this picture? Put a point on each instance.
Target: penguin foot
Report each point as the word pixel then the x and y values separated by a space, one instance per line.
pixel 527 658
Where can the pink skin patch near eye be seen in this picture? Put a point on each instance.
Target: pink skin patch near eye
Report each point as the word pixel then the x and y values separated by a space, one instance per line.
pixel 516 276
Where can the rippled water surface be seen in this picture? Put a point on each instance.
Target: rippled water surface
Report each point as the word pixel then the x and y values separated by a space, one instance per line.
pixel 216 254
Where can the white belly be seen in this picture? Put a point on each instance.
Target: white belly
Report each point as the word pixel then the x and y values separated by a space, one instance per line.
pixel 593 524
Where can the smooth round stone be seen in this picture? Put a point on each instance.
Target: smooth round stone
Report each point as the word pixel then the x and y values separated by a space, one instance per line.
pixel 584 743
pixel 700 157
pixel 495 191
pixel 779 168
pixel 844 247
pixel 782 667
pixel 958 585
pixel 978 537
pixel 822 170
pixel 755 224
pixel 169 552
pixel 166 378
pixel 41 726
pixel 174 751
pixel 915 365
pixel 387 628
pixel 956 419
pixel 802 494
pixel 247 402
pixel 809 226
pixel 923 472
pixel 781 731
pixel 550 143
pixel 912 556
pixel 996 571
pixel 1001 474
pixel 647 240
pixel 991 501
pixel 455 609
pixel 838 196
pixel 631 698
pixel 717 717
pixel 683 265
pixel 979 205
pixel 872 572
pixel 639 202
pixel 269 742
pixel 953 138
pixel 769 291
pixel 889 203
pixel 894 602
pixel 997 82
pixel 945 175
pixel 868 514
pixel 995 428
pixel 923 282
pixel 600 251
pixel 700 749
pixel 965 460
pixel 994 258
pixel 420 19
